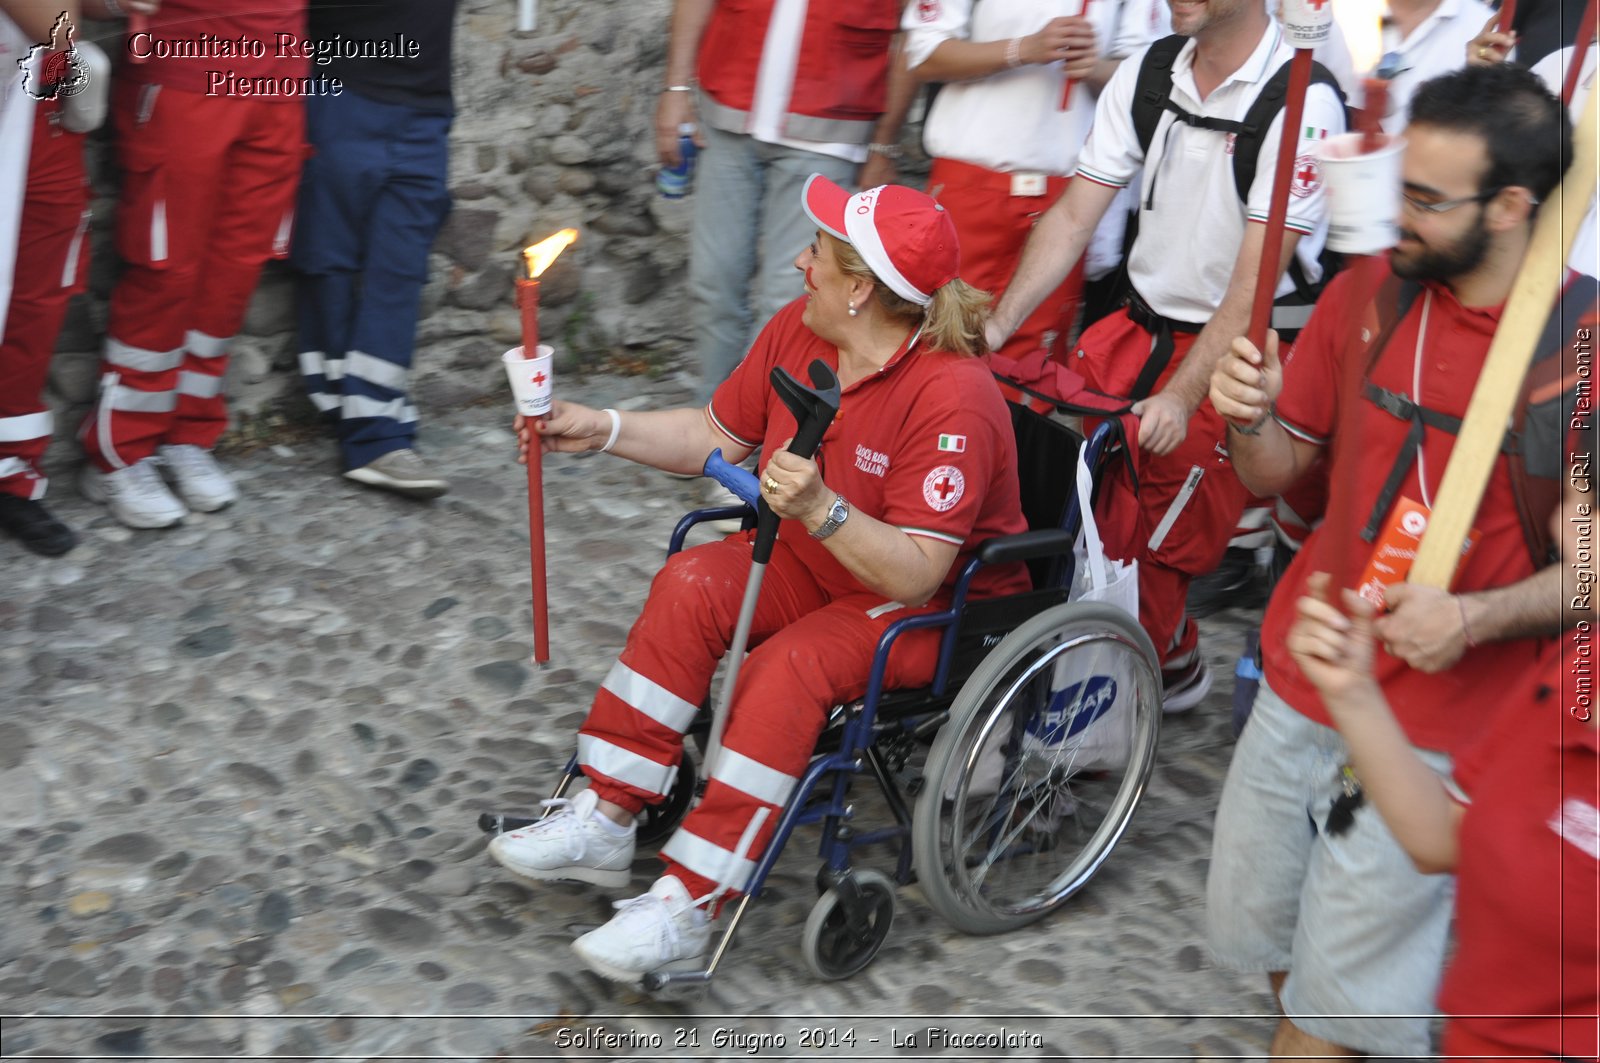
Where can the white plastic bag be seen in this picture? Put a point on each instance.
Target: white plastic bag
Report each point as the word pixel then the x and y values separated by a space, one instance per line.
pixel 1087 724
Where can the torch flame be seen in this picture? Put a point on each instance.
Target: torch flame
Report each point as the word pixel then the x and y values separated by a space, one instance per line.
pixel 1362 24
pixel 542 255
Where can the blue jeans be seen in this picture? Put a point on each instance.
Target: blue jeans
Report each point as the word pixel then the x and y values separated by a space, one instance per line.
pixel 372 199
pixel 748 228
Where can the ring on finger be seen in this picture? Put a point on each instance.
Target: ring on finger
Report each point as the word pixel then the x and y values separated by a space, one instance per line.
pixel 769 485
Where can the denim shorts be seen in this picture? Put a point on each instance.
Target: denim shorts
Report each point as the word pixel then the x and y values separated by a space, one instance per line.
pixel 1361 932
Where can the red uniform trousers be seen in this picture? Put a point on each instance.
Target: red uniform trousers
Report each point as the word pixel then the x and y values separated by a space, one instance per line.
pixel 993 226
pixel 813 650
pixel 208 194
pixel 52 265
pixel 1189 500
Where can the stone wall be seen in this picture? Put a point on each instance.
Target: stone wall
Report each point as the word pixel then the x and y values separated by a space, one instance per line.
pixel 553 129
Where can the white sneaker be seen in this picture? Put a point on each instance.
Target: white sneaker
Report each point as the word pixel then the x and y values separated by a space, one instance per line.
pixel 135 494
pixel 575 842
pixel 662 930
pixel 201 482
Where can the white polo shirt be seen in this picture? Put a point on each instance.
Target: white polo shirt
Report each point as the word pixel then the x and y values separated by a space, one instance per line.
pixel 1191 221
pixel 1012 120
pixel 1437 46
pixel 1552 70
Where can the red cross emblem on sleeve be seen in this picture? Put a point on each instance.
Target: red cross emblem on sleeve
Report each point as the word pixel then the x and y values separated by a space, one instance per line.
pixel 1307 176
pixel 943 487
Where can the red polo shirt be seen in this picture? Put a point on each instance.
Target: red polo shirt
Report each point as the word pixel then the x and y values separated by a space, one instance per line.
pixel 924 444
pixel 1446 710
pixel 1528 879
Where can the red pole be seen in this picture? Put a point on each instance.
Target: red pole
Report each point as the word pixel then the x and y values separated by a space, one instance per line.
pixel 1580 52
pixel 1508 11
pixel 1066 90
pixel 1341 519
pixel 528 307
pixel 1272 243
pixel 137 23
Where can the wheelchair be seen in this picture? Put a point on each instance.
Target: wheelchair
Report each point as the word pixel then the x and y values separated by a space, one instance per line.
pixel 1036 740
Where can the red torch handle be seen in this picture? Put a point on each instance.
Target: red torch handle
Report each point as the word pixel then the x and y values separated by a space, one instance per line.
pixel 1580 52
pixel 528 308
pixel 138 22
pixel 1066 90
pixel 1278 210
pixel 1341 520
pixel 1508 11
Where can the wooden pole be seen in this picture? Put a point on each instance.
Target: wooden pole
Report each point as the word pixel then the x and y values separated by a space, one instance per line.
pixel 1580 52
pixel 528 308
pixel 1499 386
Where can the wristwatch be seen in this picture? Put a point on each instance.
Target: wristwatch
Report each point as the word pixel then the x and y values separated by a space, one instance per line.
pixel 838 513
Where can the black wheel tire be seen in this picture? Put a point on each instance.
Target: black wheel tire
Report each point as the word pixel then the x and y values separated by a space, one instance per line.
pixel 830 950
pixel 657 822
pixel 998 849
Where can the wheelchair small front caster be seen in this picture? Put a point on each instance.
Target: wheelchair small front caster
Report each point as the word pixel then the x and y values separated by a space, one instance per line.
pixel 848 925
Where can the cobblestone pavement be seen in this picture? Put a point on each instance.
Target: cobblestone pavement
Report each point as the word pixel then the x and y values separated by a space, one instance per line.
pixel 240 764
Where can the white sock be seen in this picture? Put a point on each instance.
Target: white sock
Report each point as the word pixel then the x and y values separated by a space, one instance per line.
pixel 612 828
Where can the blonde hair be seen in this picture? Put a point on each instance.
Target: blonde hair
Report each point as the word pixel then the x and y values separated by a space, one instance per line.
pixel 952 322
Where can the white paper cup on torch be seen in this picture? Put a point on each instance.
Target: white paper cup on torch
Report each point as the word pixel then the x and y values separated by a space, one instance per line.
pixel 1363 194
pixel 532 379
pixel 1306 23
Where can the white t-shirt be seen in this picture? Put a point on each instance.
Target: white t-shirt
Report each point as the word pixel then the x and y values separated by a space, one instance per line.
pixel 1012 120
pixel 1552 70
pixel 1191 224
pixel 780 60
pixel 1437 46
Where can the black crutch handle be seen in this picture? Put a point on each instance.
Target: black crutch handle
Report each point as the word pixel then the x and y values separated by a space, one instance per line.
pixel 814 409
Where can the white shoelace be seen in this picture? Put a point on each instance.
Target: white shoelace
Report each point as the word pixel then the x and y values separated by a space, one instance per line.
pixel 565 821
pixel 143 479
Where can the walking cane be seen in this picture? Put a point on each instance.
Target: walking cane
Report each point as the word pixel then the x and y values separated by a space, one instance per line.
pixel 813 410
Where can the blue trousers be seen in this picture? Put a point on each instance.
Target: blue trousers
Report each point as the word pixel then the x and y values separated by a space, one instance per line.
pixel 372 199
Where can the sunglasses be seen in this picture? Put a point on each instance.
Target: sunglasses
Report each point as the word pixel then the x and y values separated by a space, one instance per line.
pixel 1444 205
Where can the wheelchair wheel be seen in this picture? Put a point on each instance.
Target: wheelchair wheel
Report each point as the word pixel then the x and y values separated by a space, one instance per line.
pixel 834 948
pixel 657 822
pixel 1037 774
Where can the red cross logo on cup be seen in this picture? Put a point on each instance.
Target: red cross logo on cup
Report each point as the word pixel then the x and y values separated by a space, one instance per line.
pixel 538 379
pixel 943 487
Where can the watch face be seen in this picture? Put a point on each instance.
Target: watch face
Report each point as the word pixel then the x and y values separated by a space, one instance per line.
pixel 839 511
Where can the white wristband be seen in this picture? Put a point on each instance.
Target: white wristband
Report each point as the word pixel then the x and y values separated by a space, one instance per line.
pixel 616 429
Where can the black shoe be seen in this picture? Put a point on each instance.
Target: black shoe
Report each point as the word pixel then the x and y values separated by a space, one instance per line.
pixel 33 526
pixel 1232 584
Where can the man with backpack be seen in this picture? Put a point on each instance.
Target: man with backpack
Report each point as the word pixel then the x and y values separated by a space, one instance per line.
pixel 1306 885
pixel 1202 119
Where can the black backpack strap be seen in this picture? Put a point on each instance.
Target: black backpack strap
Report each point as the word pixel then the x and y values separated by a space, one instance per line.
pixel 1153 87
pixel 1258 119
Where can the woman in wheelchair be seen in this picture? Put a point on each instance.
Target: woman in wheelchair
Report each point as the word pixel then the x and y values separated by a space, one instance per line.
pixel 918 467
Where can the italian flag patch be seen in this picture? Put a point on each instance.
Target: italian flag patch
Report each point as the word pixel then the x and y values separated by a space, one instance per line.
pixel 953 444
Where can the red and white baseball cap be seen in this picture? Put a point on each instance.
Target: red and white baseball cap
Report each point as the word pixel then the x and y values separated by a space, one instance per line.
pixel 905 237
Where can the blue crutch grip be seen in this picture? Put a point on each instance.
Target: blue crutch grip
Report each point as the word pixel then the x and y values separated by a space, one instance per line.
pixel 742 482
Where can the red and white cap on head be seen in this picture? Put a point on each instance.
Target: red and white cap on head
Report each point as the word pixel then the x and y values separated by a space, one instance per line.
pixel 904 236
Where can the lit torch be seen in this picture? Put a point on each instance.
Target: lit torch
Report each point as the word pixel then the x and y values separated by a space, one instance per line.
pixel 530 369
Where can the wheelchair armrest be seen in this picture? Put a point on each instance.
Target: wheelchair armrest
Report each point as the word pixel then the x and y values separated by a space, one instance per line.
pixel 1026 546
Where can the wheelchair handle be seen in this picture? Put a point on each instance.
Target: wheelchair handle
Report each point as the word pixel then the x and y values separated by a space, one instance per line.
pixel 742 482
pixel 814 409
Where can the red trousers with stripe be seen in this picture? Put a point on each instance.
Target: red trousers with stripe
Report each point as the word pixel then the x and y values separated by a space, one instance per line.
pixel 208 193
pixel 813 648
pixel 52 266
pixel 1189 500
pixel 993 226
